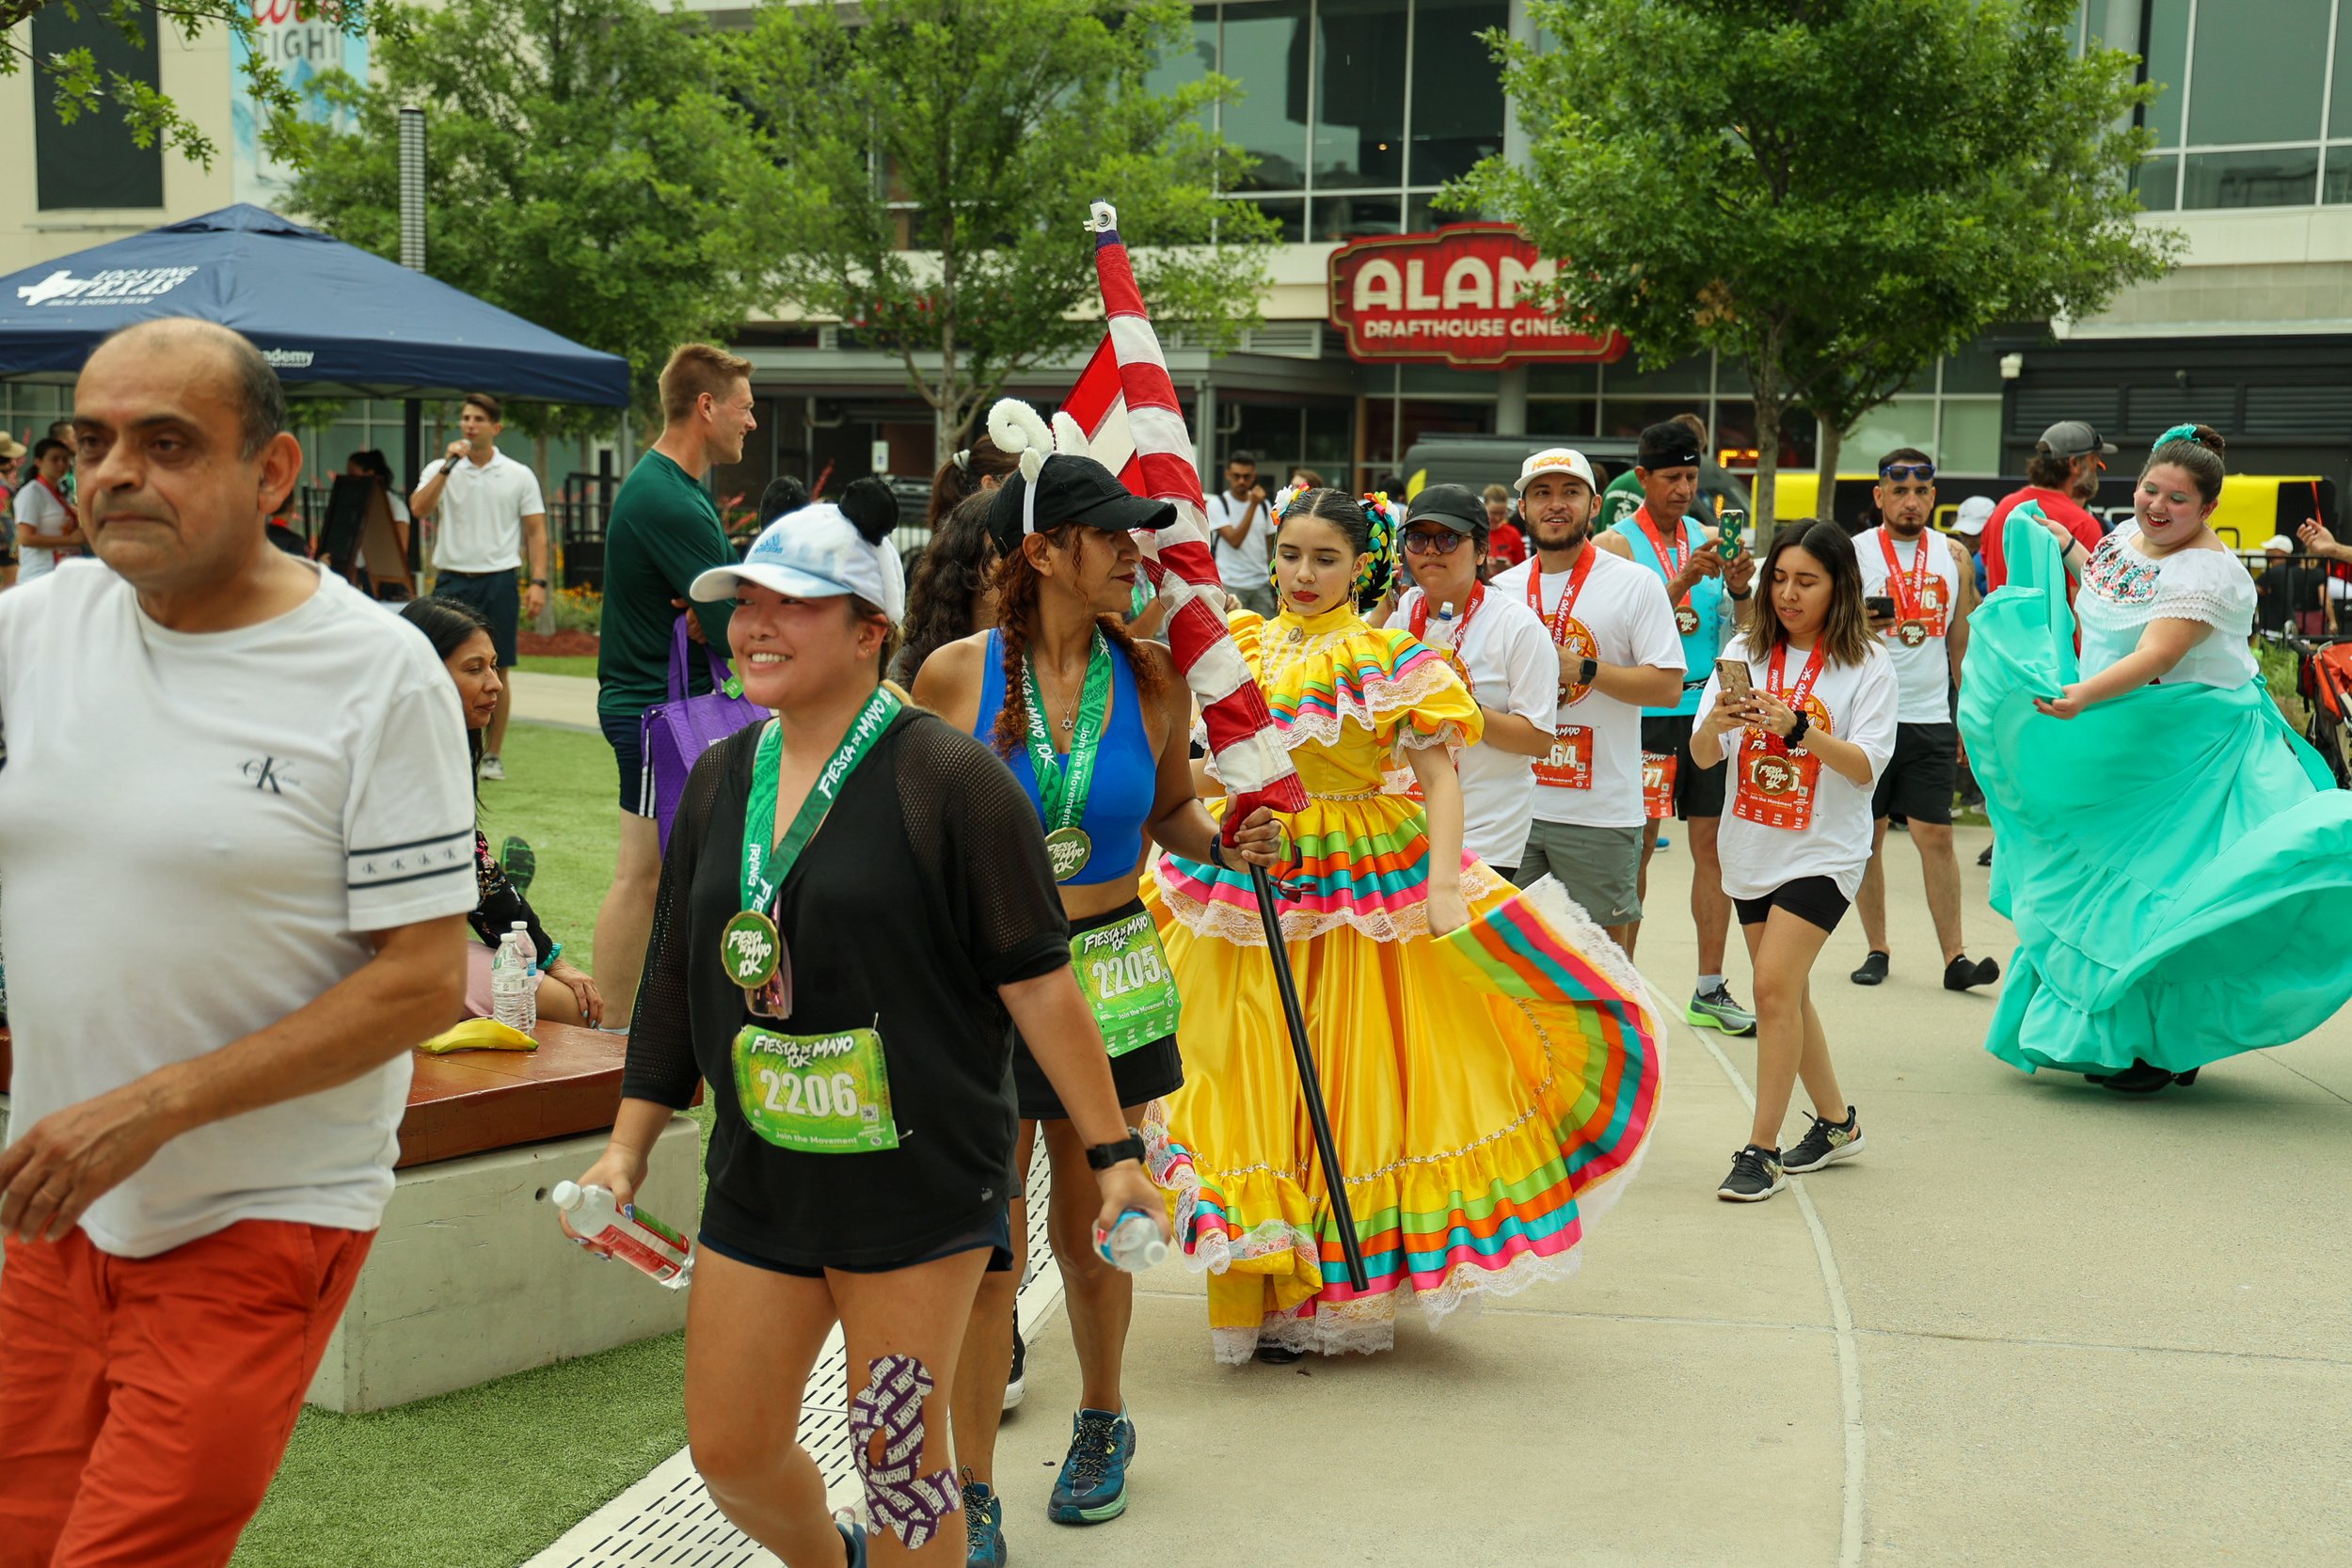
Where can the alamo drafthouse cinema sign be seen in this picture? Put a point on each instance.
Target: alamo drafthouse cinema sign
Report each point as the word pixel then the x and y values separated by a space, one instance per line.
pixel 1461 294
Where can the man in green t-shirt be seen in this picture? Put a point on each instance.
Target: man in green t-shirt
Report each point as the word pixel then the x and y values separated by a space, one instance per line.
pixel 663 531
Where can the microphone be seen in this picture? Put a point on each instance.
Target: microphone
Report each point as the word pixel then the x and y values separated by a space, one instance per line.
pixel 451 467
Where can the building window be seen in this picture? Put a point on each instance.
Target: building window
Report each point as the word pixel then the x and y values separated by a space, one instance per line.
pixel 2253 91
pixel 92 162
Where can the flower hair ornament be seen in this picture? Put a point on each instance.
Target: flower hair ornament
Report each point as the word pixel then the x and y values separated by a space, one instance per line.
pixel 2178 432
pixel 1021 433
pixel 1288 494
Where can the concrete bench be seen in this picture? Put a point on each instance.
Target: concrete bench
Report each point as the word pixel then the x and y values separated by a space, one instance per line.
pixel 470 1278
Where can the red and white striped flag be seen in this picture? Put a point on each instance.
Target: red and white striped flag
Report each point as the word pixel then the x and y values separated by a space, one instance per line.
pixel 1126 404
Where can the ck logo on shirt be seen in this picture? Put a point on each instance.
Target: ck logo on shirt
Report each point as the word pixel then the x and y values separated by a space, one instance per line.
pixel 271 773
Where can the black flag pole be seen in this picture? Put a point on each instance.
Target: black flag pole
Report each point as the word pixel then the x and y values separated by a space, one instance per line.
pixel 1334 1178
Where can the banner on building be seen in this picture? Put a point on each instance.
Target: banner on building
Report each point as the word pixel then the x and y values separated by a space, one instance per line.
pixel 1461 294
pixel 301 49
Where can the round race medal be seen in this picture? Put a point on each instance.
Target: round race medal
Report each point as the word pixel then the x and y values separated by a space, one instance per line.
pixel 749 948
pixel 1772 775
pixel 1067 851
pixel 1911 634
pixel 1686 620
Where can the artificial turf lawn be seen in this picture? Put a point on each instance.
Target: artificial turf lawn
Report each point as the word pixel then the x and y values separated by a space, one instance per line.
pixel 559 664
pixel 487 1477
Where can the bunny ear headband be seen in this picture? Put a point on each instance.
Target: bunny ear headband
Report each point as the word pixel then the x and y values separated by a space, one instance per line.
pixel 1018 431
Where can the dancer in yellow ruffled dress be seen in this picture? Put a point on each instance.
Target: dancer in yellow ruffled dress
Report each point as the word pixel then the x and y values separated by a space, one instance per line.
pixel 1491 1068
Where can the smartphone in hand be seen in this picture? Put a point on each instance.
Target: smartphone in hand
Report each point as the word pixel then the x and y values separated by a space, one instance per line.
pixel 1879 606
pixel 1732 675
pixel 1728 529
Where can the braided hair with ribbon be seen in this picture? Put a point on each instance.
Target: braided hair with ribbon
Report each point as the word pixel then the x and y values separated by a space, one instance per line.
pixel 2196 450
pixel 1371 523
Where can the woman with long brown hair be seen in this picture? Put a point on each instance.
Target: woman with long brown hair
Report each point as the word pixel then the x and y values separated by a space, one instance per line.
pixel 953 590
pixel 1813 700
pixel 1095 727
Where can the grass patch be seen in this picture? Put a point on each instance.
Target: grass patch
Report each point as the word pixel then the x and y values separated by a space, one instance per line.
pixel 559 664
pixel 487 1477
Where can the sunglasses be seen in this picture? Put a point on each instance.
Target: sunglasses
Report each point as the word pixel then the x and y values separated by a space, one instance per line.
pixel 1444 542
pixel 1908 470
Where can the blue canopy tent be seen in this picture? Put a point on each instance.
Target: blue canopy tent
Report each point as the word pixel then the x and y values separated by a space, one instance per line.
pixel 334 320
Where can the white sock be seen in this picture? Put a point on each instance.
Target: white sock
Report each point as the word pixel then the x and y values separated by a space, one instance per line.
pixel 1708 982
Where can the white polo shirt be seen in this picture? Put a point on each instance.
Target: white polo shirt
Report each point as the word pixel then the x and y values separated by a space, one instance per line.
pixel 481 515
pixel 1623 606
pixel 196 831
pixel 1924 669
pixel 1513 669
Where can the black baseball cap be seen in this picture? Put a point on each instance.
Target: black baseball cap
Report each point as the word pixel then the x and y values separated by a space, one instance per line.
pixel 1670 445
pixel 1452 505
pixel 1071 489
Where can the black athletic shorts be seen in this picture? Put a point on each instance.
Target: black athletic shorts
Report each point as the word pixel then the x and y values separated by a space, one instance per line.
pixel 994 1233
pixel 1142 1076
pixel 1698 791
pixel 1919 779
pixel 498 598
pixel 626 735
pixel 1809 898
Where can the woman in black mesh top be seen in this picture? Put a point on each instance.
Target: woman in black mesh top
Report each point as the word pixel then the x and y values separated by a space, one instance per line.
pixel 854 898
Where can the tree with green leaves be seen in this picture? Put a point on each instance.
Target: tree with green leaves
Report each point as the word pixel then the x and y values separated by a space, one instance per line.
pixel 585 171
pixel 78 87
pixel 942 155
pixel 1829 193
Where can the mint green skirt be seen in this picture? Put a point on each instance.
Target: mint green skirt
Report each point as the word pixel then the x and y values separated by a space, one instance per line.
pixel 2177 861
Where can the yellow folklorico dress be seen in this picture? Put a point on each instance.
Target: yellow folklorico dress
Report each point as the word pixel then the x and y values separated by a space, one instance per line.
pixel 1489 1092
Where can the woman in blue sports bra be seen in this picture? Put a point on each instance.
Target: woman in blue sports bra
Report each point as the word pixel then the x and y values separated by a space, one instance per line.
pixel 1096 726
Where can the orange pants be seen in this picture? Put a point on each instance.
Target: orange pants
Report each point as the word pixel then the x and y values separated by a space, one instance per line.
pixel 146 1402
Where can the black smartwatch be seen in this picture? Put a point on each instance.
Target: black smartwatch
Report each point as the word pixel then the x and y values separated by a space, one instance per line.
pixel 1104 1156
pixel 538 582
pixel 1796 730
pixel 1586 671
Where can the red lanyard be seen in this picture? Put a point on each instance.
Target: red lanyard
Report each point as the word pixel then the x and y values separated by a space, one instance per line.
pixel 1910 592
pixel 1461 627
pixel 1671 559
pixel 1794 696
pixel 42 480
pixel 1567 612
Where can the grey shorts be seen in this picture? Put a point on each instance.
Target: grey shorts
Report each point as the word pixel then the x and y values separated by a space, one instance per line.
pixel 1600 866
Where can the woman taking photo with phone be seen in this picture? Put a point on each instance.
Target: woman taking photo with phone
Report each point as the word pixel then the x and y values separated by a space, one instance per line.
pixel 1095 727
pixel 856 897
pixel 1491 1070
pixel 1803 703
pixel 2159 821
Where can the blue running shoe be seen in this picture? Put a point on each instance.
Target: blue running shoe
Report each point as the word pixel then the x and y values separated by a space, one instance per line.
pixel 983 1527
pixel 852 1538
pixel 1092 1487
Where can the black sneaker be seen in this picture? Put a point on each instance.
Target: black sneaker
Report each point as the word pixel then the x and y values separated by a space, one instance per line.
pixel 1873 970
pixel 1014 1389
pixel 1985 858
pixel 1960 973
pixel 1825 1143
pixel 1755 1176
pixel 2140 1078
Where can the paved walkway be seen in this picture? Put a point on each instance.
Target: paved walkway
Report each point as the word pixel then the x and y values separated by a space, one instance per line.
pixel 567 701
pixel 2034 1324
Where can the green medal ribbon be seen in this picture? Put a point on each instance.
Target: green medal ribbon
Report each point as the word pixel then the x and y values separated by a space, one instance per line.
pixel 751 947
pixel 1062 789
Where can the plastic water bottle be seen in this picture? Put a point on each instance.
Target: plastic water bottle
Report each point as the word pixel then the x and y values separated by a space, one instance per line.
pixel 530 950
pixel 639 1240
pixel 1442 631
pixel 511 1002
pixel 1133 1244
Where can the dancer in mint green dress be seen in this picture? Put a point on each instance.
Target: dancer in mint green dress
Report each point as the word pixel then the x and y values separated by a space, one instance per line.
pixel 2175 859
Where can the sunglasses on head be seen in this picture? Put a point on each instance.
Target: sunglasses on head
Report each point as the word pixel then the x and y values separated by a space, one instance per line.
pixel 1908 470
pixel 1443 541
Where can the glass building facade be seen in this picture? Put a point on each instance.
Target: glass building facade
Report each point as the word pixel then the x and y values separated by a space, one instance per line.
pixel 2256 106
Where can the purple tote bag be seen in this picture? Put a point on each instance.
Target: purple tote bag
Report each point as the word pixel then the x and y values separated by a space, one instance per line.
pixel 679 731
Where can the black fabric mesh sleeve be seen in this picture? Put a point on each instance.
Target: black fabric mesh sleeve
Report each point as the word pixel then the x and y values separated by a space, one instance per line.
pixel 662 1066
pixel 976 836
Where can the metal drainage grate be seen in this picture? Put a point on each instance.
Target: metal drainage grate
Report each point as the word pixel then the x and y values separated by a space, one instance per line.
pixel 668 1521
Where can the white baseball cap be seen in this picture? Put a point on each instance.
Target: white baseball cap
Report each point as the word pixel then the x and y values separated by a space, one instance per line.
pixel 1555 460
pixel 822 552
pixel 2281 543
pixel 1975 512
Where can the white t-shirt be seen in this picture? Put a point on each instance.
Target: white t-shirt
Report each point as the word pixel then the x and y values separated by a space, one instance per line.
pixel 1625 609
pixel 2123 589
pixel 195 830
pixel 481 516
pixel 41 512
pixel 1861 702
pixel 1241 565
pixel 1924 670
pixel 1513 669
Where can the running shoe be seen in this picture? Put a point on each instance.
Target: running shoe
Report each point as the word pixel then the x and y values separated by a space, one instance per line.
pixel 519 862
pixel 492 769
pixel 1092 1486
pixel 1825 1143
pixel 983 1527
pixel 852 1537
pixel 1986 857
pixel 1715 1009
pixel 1873 970
pixel 1015 1390
pixel 1755 1176
pixel 1960 973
